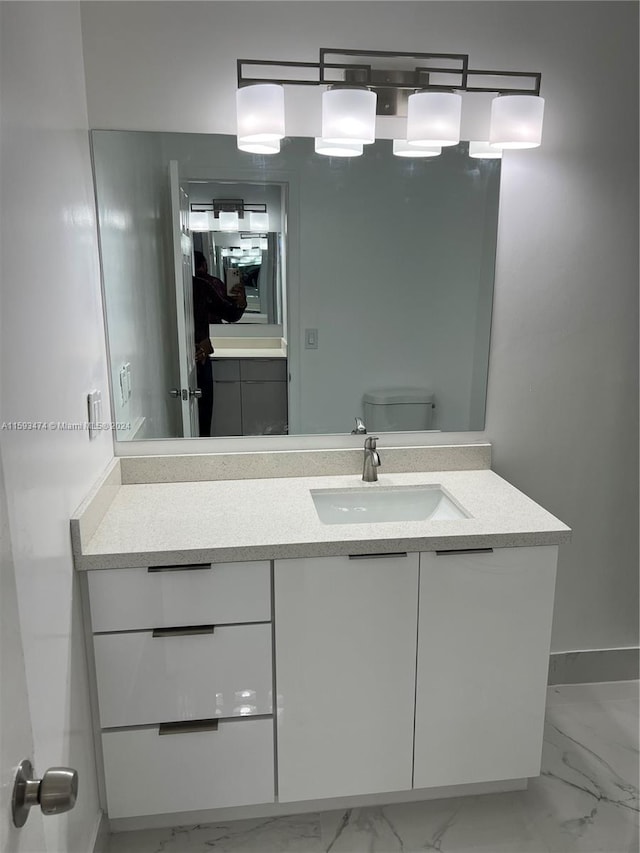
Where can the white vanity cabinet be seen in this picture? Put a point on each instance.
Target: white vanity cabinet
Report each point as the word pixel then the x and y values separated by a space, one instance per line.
pixel 183 665
pixel 345 674
pixel 483 656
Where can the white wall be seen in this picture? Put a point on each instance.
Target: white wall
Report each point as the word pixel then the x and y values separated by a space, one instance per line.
pixel 562 402
pixel 134 212
pixel 51 354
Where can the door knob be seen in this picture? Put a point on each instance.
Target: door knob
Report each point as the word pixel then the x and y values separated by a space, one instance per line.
pixel 174 392
pixel 55 793
pixel 195 392
pixel 179 393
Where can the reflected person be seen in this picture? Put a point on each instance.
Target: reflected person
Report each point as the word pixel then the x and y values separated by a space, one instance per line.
pixel 211 304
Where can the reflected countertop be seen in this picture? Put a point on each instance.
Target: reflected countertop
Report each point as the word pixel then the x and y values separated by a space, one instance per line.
pixel 271 518
pixel 249 348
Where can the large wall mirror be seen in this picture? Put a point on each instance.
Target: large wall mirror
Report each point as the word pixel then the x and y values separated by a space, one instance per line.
pixel 291 293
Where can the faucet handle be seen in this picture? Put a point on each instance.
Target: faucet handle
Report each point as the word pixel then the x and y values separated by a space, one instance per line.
pixel 370 442
pixel 360 428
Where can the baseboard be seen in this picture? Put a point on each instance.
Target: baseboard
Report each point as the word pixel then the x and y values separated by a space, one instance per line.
pixel 594 666
pixel 270 810
pixel 100 835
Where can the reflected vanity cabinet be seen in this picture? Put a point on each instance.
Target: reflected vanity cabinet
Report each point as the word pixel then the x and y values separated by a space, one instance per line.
pixel 249 396
pixel 183 670
pixel 393 673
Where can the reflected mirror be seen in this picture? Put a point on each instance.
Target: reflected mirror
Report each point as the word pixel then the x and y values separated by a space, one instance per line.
pixel 266 295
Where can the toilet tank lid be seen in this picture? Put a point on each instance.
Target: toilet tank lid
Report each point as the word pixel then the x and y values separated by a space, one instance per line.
pixel 385 396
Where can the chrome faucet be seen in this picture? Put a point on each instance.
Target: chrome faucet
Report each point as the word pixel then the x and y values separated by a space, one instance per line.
pixel 360 428
pixel 371 460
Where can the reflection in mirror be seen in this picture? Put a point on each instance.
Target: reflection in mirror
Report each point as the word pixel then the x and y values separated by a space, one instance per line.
pixel 366 291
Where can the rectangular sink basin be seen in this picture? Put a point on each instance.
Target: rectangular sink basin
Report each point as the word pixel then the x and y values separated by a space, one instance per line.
pixel 385 503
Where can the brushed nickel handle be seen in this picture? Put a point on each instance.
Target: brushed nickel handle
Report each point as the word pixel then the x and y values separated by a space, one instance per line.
pixel 455 551
pixel 55 793
pixel 188 727
pixel 192 567
pixel 195 392
pixel 188 631
pixel 174 392
pixel 377 556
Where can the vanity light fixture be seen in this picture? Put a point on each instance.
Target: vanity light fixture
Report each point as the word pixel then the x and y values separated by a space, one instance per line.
pixel 360 84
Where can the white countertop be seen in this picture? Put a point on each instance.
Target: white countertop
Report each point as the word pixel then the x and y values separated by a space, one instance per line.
pixel 253 352
pixel 232 520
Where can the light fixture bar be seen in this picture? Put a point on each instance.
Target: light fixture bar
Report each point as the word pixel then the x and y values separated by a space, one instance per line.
pixel 418 74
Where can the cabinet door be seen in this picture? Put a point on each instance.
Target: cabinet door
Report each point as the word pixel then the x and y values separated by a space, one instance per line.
pixel 483 655
pixel 264 408
pixel 345 674
pixel 227 408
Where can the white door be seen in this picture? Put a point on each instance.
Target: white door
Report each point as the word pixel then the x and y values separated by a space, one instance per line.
pixel 345 674
pixel 16 738
pixel 184 301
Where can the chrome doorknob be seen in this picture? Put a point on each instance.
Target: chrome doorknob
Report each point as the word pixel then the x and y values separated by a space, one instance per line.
pixel 55 793
pixel 174 392
pixel 195 392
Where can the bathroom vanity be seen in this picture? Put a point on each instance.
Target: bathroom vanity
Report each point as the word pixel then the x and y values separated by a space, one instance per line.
pixel 264 661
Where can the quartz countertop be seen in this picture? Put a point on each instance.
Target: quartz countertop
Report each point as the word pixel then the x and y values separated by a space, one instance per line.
pixel 232 520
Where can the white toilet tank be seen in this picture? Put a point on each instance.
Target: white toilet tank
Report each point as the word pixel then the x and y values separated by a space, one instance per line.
pixel 398 409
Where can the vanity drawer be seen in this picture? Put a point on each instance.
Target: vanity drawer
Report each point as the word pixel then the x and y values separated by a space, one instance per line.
pixel 226 370
pixel 145 678
pixel 263 369
pixel 149 774
pixel 209 594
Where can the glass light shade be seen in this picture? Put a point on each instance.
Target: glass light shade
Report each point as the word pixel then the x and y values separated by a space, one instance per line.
pixel 199 220
pixel 433 118
pixel 349 115
pixel 516 121
pixel 228 220
pixel 246 244
pixel 401 148
pixel 484 151
pixel 259 147
pixel 259 221
pixel 260 113
pixel 337 149
pixel 264 244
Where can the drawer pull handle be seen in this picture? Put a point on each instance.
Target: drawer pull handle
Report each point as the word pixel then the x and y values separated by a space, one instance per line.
pixel 193 567
pixel 188 631
pixel 454 551
pixel 377 556
pixel 188 727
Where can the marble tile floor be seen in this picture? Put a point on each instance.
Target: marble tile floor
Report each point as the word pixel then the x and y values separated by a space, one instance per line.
pixel 585 801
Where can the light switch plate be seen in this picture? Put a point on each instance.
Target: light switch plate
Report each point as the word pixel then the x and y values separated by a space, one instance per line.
pixel 94 405
pixel 311 339
pixel 127 372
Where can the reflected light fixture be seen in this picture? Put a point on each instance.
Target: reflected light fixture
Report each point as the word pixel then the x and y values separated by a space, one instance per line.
pixel 362 84
pixel 259 221
pixel 199 220
pixel 229 220
pixel 484 151
pixel 331 148
pixel 401 148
